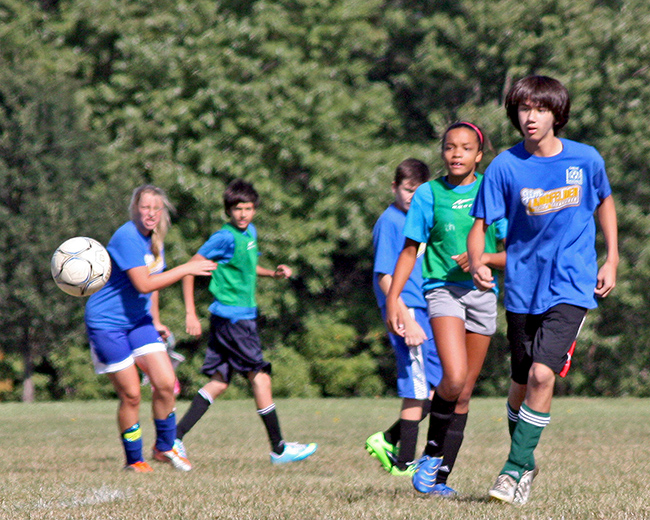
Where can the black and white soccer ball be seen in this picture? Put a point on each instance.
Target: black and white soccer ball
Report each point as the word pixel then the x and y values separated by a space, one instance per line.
pixel 81 266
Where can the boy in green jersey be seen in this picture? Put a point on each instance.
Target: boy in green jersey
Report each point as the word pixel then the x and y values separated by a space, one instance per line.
pixel 234 344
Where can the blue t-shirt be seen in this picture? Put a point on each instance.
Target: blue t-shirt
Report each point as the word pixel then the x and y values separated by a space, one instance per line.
pixel 388 241
pixel 550 204
pixel 220 248
pixel 118 305
pixel 421 218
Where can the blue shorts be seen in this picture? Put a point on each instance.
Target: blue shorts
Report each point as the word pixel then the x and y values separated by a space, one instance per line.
pixel 418 368
pixel 233 346
pixel 115 350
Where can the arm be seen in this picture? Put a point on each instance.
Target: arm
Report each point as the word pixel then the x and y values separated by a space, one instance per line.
pixel 146 283
pixel 606 280
pixel 192 323
pixel 396 315
pixel 413 333
pixel 155 314
pixel 281 271
pixel 481 273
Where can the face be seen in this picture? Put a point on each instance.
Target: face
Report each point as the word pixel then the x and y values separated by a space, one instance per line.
pixel 150 209
pixel 404 193
pixel 242 214
pixel 461 153
pixel 536 122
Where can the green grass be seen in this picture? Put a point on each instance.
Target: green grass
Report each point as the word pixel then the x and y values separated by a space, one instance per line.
pixel 63 461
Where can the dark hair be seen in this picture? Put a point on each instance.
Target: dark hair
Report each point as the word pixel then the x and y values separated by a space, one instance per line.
pixel 541 91
pixel 412 170
pixel 239 191
pixel 480 135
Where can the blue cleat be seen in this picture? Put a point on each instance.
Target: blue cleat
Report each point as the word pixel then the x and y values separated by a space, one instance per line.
pixel 426 471
pixel 443 490
pixel 294 452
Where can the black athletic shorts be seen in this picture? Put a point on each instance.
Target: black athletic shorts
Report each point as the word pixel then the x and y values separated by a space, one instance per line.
pixel 543 338
pixel 233 347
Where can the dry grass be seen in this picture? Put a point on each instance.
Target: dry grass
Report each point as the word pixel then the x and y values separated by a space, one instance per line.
pixel 63 460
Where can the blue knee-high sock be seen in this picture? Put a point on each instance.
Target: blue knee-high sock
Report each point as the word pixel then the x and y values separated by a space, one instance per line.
pixel 132 442
pixel 165 432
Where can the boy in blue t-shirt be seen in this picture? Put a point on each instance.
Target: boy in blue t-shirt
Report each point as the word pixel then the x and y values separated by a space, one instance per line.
pixel 418 366
pixel 234 343
pixel 548 188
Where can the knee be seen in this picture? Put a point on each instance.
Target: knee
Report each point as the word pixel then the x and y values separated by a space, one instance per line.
pixel 130 399
pixel 540 376
pixel 453 384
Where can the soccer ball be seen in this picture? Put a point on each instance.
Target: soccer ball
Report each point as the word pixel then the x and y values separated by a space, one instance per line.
pixel 81 266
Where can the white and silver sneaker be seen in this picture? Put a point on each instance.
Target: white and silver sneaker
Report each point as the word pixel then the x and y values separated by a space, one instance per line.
pixel 522 493
pixel 504 489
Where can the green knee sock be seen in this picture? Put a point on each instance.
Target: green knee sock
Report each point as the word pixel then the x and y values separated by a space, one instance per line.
pixel 524 441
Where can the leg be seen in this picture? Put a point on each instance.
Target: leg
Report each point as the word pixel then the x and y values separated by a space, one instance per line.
pixel 127 385
pixel 200 404
pixel 158 368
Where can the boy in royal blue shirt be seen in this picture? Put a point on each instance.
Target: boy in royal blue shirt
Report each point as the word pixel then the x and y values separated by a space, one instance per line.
pixel 548 188
pixel 234 344
pixel 418 366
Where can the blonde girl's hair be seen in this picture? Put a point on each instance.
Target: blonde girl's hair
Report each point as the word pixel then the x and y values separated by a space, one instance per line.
pixel 159 233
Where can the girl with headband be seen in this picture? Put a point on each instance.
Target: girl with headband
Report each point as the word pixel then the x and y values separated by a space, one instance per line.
pixel 463 318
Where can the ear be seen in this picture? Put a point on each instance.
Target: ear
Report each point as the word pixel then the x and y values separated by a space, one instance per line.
pixel 479 156
pixel 393 187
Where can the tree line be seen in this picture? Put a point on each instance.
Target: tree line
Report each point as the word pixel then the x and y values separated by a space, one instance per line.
pixel 315 102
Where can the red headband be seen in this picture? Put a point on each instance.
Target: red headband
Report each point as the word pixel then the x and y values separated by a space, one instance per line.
pixel 476 129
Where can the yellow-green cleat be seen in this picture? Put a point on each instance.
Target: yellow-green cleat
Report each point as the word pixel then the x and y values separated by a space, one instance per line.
pixel 383 451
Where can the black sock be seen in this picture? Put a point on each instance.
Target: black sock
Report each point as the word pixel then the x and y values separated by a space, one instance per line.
pixel 272 424
pixel 198 407
pixel 439 420
pixel 453 442
pixel 408 442
pixel 393 434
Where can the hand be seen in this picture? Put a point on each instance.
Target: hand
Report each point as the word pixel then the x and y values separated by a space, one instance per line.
pixel 394 319
pixel 163 330
pixel 282 271
pixel 192 325
pixel 201 267
pixel 462 260
pixel 483 278
pixel 414 335
pixel 606 280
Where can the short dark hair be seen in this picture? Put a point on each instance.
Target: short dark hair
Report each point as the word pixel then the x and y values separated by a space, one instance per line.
pixel 239 191
pixel 541 91
pixel 412 170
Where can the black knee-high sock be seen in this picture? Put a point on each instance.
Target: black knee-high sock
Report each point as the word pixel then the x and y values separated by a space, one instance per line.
pixel 199 406
pixel 453 442
pixel 393 434
pixel 408 442
pixel 439 420
pixel 272 424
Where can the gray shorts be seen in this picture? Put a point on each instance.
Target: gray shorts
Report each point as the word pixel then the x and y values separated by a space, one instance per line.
pixel 478 309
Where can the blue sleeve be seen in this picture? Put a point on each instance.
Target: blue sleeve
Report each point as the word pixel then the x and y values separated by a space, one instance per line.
pixel 490 203
pixel 501 228
pixel 220 247
pixel 601 182
pixel 388 242
pixel 126 248
pixel 419 219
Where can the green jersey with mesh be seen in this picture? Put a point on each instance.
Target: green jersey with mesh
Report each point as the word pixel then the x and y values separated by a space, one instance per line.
pixel 448 237
pixel 233 282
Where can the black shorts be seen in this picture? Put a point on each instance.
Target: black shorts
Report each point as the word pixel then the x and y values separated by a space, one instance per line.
pixel 233 347
pixel 542 338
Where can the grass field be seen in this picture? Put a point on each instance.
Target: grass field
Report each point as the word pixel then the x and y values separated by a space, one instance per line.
pixel 63 461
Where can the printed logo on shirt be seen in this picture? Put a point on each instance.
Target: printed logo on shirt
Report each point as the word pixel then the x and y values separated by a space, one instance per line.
pixel 540 202
pixel 574 175
pixel 421 249
pixel 251 245
pixel 154 264
pixel 462 204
